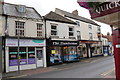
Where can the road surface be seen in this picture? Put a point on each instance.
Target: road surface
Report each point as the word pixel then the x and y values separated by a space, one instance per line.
pixel 89 68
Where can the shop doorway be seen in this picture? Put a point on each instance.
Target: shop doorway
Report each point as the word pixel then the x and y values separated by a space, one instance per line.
pixel 39 54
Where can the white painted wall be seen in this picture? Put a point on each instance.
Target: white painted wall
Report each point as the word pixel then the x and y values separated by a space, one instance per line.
pixel 2 25
pixel 30 26
pixel 84 29
pixel 62 29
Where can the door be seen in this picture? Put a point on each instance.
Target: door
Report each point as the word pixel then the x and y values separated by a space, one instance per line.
pixel 39 54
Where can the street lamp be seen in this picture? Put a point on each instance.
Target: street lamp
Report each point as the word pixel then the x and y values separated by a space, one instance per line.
pixel 18 50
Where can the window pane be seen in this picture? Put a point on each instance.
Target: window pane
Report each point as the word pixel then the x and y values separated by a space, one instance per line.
pixel 31 52
pixel 70 29
pixel 70 33
pixel 53 27
pixel 19 26
pixel 12 53
pixel 53 32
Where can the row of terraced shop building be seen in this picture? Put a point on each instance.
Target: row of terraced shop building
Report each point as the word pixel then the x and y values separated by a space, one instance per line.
pixel 43 41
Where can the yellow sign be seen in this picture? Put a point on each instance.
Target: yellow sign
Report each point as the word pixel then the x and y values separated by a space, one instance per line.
pixel 53 51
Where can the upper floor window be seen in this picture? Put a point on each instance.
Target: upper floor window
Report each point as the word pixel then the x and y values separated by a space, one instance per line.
pixel 54 30
pixel 39 30
pixel 98 28
pixel 71 31
pixel 19 28
pixel 78 23
pixel 90 27
pixel 78 35
pixel 90 36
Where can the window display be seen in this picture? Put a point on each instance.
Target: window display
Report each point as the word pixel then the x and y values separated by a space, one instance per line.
pixel 27 56
pixel 71 54
pixel 31 55
pixel 55 56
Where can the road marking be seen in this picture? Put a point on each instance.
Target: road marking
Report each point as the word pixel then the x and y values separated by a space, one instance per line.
pixel 107 72
pixel 18 76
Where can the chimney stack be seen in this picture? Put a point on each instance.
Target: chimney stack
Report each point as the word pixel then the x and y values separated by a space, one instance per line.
pixel 75 12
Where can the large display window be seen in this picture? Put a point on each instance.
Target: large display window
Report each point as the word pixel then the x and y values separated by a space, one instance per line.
pixel 55 56
pixel 71 53
pixel 31 55
pixel 26 55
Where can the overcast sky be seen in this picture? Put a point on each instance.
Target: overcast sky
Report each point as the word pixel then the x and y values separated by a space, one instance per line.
pixel 45 6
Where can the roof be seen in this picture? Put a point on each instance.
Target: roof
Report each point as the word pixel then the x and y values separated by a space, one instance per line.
pixel 11 10
pixel 56 17
pixel 70 15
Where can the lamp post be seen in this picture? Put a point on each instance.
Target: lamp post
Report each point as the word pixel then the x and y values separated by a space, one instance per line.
pixel 18 50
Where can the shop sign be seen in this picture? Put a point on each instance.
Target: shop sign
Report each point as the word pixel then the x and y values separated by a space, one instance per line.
pixel 65 43
pixel 105 9
pixel 94 42
pixel 25 42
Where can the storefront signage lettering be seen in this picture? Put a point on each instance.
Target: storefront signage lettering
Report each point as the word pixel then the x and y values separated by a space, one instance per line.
pixel 64 43
pixel 25 42
pixel 108 6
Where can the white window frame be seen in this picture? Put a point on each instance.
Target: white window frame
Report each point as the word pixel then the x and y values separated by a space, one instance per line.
pixel 90 27
pixel 19 26
pixel 90 36
pixel 54 30
pixel 79 35
pixel 39 29
pixel 71 31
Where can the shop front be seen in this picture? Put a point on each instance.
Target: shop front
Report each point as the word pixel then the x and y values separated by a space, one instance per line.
pixel 63 51
pixel 31 54
pixel 89 48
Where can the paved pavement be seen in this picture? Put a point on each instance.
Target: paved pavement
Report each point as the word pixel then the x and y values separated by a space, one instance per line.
pixel 59 70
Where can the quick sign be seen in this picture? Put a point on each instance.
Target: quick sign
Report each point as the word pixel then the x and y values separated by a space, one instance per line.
pixel 105 9
pixel 117 46
pixel 108 6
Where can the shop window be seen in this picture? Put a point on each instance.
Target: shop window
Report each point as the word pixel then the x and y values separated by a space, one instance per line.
pixel 12 53
pixel 19 28
pixel 31 55
pixel 22 53
pixel 31 52
pixel 53 30
pixel 55 56
pixel 39 30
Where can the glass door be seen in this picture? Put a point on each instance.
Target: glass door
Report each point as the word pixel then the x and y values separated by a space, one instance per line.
pixel 39 54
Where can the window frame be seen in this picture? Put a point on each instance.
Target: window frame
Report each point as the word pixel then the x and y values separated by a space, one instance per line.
pixel 39 30
pixel 19 28
pixel 54 30
pixel 90 36
pixel 90 27
pixel 71 31
pixel 79 36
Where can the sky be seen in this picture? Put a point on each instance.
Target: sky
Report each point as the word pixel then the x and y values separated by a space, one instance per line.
pixel 45 6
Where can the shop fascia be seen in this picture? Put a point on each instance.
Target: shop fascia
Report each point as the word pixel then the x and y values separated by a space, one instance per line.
pixel 64 43
pixel 108 6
